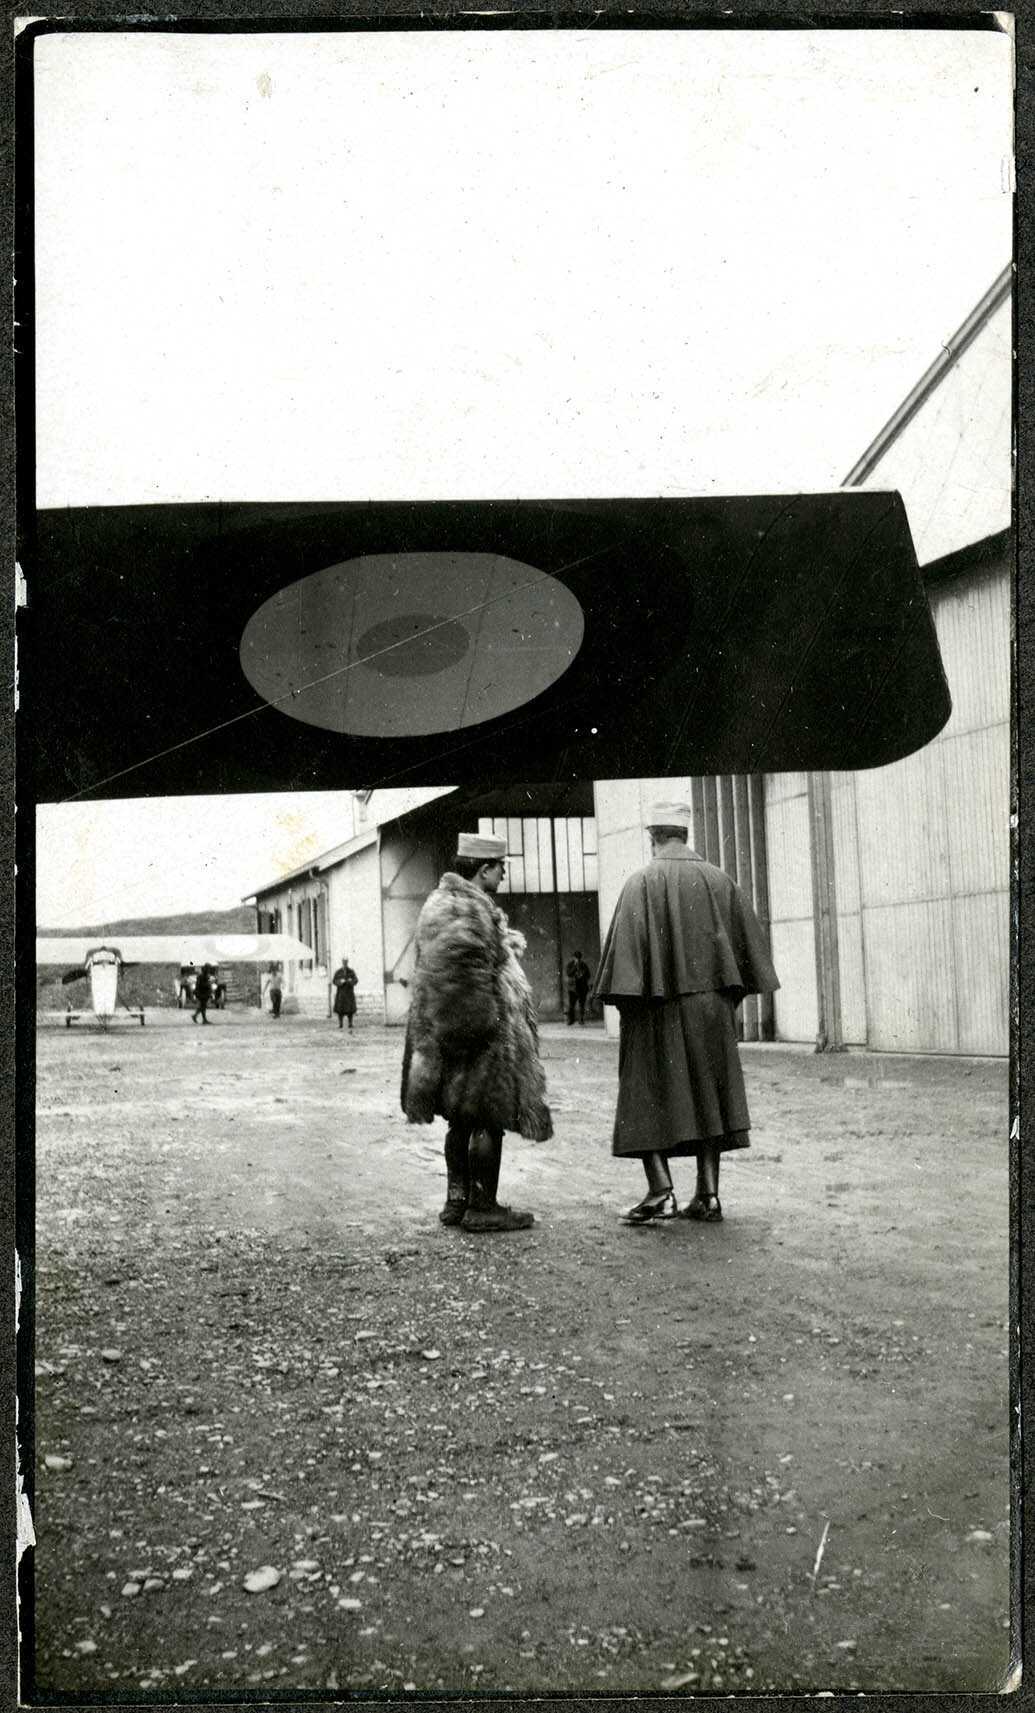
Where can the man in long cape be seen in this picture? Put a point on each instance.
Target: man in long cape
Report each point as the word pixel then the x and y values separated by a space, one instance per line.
pixel 683 948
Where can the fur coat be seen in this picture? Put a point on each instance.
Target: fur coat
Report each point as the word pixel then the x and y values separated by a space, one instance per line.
pixel 472 1049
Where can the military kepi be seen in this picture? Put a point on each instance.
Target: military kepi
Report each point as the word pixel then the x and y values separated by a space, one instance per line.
pixel 669 815
pixel 485 847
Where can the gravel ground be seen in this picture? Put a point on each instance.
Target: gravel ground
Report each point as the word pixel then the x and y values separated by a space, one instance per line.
pixel 291 1434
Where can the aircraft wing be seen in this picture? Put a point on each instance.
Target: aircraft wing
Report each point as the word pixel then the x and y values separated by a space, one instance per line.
pixel 176 949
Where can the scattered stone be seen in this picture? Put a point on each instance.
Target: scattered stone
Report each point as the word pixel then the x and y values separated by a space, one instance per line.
pixel 58 1464
pixel 258 1581
pixel 111 1354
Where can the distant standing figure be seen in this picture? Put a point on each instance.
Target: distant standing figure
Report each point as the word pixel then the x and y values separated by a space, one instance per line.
pixel 683 948
pixel 578 976
pixel 203 991
pixel 275 990
pixel 345 979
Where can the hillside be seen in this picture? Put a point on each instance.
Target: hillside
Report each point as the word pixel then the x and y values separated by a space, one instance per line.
pixel 239 920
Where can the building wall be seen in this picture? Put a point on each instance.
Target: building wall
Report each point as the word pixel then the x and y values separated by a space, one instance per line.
pixel 305 984
pixel 923 865
pixel 354 887
pixel 409 871
pixel 347 898
pixel 791 929
pixel 844 806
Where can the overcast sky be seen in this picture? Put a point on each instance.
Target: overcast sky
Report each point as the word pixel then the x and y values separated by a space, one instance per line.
pixel 530 263
pixel 155 856
pixel 514 264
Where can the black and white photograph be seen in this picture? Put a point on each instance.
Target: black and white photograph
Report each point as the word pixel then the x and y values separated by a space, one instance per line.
pixel 515 793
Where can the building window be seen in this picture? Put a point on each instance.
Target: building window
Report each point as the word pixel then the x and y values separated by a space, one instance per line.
pixel 545 855
pixel 306 930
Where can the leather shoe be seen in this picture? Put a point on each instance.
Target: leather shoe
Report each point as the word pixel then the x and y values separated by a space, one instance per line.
pixel 707 1208
pixel 453 1212
pixel 651 1208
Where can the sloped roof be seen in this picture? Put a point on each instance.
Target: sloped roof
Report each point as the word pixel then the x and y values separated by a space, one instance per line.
pixel 328 859
pixel 948 449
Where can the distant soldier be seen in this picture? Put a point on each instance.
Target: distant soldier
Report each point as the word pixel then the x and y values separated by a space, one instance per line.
pixel 683 948
pixel 203 990
pixel 578 975
pixel 344 979
pixel 472 1049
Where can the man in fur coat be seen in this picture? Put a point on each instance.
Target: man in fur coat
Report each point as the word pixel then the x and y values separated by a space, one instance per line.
pixel 472 1050
pixel 683 948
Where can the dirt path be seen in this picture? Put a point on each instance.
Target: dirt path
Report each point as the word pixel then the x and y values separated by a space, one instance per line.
pixel 578 1458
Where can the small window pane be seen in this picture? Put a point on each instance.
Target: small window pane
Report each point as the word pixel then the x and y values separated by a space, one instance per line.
pixel 573 833
pixel 561 846
pixel 531 848
pixel 545 855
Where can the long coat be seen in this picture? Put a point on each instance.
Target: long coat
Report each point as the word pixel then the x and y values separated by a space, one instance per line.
pixel 345 979
pixel 683 948
pixel 472 1048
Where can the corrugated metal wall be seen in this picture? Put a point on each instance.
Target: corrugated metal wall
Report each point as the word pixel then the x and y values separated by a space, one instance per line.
pixel 791 926
pixel 922 854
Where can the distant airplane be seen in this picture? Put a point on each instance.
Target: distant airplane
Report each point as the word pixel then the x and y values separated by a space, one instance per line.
pixel 101 963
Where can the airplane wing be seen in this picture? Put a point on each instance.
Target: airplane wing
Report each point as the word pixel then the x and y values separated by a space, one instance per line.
pixel 176 949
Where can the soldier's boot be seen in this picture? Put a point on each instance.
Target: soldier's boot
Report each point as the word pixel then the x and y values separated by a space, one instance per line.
pixel 457 1182
pixel 484 1212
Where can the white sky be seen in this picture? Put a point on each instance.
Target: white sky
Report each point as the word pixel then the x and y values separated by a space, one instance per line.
pixel 158 856
pixel 155 856
pixel 510 264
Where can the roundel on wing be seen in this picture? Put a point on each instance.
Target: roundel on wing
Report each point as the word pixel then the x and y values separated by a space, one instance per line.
pixel 408 644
